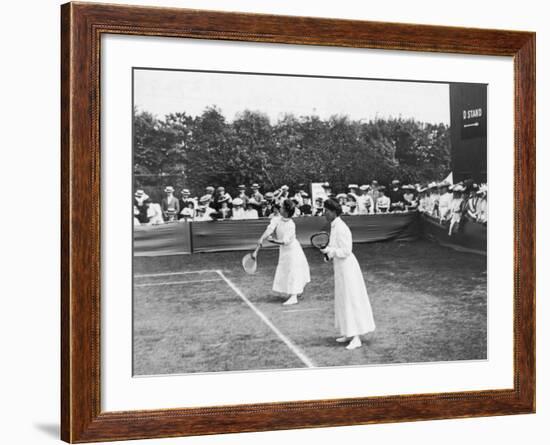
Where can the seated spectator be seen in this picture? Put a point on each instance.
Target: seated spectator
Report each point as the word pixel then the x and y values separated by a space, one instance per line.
pixel 136 220
pixel 238 209
pixel 383 202
pixel 433 200
pixel 170 205
pixel 250 211
pixel 297 211
pixel 365 204
pixel 154 213
pixel 298 197
pixel 267 205
pixel 396 196
pixel 242 194
pixel 305 208
pixel 225 211
pixel 373 193
pixel 220 196
pixel 481 207
pixel 204 212
pixel 444 202
pixel 351 202
pixel 187 214
pixel 139 203
pixel 409 199
pixel 342 199
pixel 353 189
pixel 456 208
pixel 186 202
pixel 471 203
pixel 319 210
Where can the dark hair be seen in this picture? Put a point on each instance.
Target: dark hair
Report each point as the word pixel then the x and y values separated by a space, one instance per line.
pixel 289 207
pixel 333 206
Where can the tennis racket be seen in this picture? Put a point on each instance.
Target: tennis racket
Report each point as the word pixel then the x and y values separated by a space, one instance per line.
pixel 250 263
pixel 320 241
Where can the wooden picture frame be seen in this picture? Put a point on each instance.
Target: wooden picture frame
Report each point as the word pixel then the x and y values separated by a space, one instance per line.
pixel 82 26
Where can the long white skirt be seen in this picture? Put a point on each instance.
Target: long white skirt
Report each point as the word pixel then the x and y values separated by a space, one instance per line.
pixel 352 309
pixel 292 272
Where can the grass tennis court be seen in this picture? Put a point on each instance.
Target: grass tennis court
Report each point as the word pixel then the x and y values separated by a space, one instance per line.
pixel 202 313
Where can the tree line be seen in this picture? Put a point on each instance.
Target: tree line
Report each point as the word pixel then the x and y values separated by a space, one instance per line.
pixel 197 151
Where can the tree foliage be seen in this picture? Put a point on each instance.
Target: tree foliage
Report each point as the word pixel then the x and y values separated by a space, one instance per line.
pixel 193 152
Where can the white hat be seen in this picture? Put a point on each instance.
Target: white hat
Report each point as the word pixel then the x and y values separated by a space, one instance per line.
pixel 205 198
pixel 284 187
pixel 364 187
pixel 185 191
pixel 169 189
pixel 238 202
pixel 325 185
pixel 255 186
pixel 341 195
pixel 139 192
pixel 353 186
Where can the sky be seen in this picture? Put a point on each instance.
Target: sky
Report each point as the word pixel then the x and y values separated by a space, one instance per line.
pixel 161 92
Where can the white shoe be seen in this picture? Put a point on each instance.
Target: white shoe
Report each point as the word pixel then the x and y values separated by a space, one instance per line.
pixel 292 300
pixel 354 343
pixel 342 339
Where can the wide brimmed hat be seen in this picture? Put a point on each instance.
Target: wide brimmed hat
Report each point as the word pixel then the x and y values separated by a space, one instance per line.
pixel 238 202
pixel 408 187
pixel 169 189
pixel 139 193
pixel 341 195
pixel 482 189
pixel 205 198
pixel 352 197
pixel 255 186
pixel 284 188
pixel 186 191
pixel 241 187
pixel 269 196
pixel 395 181
pixel 364 187
pixel 353 186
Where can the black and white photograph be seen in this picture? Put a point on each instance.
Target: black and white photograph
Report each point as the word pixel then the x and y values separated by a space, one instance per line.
pixel 299 221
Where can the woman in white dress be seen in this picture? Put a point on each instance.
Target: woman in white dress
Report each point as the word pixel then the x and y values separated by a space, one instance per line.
pixel 352 309
pixel 292 272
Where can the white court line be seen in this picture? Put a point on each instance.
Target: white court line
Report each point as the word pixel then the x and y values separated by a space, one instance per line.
pixel 166 274
pixel 164 283
pixel 267 321
pixel 304 310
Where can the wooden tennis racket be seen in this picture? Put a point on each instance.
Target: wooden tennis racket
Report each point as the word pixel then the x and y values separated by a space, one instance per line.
pixel 249 261
pixel 320 240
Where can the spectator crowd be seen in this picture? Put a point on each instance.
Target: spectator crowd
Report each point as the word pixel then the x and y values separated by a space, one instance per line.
pixel 444 201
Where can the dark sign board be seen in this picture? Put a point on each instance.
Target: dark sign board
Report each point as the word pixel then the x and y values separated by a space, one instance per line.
pixel 468 104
